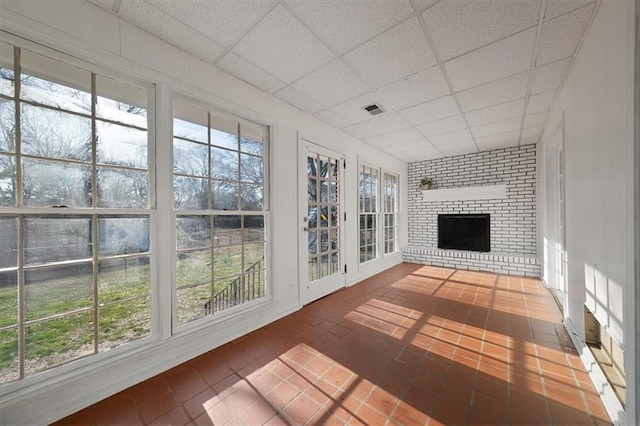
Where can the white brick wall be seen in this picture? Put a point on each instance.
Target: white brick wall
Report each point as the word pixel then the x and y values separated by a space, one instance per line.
pixel 513 220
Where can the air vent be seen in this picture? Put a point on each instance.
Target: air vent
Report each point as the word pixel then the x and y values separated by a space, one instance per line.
pixel 373 109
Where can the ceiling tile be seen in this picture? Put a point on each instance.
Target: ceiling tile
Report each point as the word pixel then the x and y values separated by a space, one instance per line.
pixel 397 136
pixel 282 46
pixel 353 109
pixel 541 102
pixel 299 100
pixel 531 135
pixel 416 89
pixel 413 145
pixel 560 36
pixel 534 120
pixel 402 156
pixel 558 7
pixel 496 92
pixel 250 73
pixel 332 84
pixel 424 154
pixel 549 77
pixel 495 113
pixel 105 4
pixel 446 138
pixel 445 125
pixel 390 149
pixel 344 25
pixel 397 53
pixel 501 140
pixel 333 119
pixel 420 5
pixel 378 126
pixel 459 26
pixel 500 59
pixel 459 147
pixel 497 127
pixel 164 26
pixel 224 23
pixel 430 111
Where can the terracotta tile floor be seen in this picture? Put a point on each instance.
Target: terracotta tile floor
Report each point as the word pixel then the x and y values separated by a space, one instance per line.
pixel 413 345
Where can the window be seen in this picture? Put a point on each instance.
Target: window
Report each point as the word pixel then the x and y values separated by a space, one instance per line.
pixel 74 213
pixel 371 214
pixel 219 193
pixel 390 191
pixel 368 213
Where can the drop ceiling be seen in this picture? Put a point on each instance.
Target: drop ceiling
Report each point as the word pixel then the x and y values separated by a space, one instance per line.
pixel 452 76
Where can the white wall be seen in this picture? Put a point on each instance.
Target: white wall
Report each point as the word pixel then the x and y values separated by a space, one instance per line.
pixel 597 102
pixel 80 29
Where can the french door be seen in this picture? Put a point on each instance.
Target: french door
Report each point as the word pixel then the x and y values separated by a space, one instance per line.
pixel 320 178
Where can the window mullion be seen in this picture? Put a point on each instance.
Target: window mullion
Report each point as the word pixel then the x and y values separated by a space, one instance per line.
pixel 94 204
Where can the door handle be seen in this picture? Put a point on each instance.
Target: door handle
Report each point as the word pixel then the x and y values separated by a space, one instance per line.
pixel 305 229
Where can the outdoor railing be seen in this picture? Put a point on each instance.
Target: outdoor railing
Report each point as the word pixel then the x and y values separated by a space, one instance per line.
pixel 239 292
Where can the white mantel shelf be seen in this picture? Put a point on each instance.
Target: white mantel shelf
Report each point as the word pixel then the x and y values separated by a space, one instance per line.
pixel 485 192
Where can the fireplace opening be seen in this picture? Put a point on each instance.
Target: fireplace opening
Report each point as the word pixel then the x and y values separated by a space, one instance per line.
pixel 464 232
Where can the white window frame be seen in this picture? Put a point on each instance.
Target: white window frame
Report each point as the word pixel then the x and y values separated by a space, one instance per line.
pixel 93 212
pixel 242 309
pixel 395 213
pixel 379 214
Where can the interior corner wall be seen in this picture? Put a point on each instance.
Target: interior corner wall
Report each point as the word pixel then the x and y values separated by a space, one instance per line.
pixel 92 34
pixel 598 108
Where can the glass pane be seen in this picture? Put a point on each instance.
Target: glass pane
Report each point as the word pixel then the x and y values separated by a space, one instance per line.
pixel 251 145
pixel 324 241
pixel 9 369
pixel 312 166
pixel 121 146
pixel 7 77
pixel 224 139
pixel 334 240
pixel 227 230
pixel 193 302
pixel 225 195
pixel 123 235
pixel 313 242
pixel 124 278
pixel 224 164
pixel 190 122
pixel 313 268
pixel 56 341
pixel 252 169
pixel 324 217
pixel 227 261
pixel 254 256
pixel 312 216
pixel 324 167
pixel 333 192
pixel 57 239
pixel 312 190
pixel 8 299
pixel 334 216
pixel 54 183
pixel 7 124
pixel 122 188
pixel 71 90
pixel 254 282
pixel 121 323
pixel 324 265
pixel 57 289
pixel 121 102
pixel 333 169
pixel 193 268
pixel 190 158
pixel 190 193
pixel 55 134
pixel 8 242
pixel 324 191
pixel 193 232
pixel 252 197
pixel 253 228
pixel 7 180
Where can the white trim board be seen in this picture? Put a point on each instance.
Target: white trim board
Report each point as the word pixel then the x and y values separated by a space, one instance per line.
pixel 485 192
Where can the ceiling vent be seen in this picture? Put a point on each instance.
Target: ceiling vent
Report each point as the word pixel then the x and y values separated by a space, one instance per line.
pixel 374 109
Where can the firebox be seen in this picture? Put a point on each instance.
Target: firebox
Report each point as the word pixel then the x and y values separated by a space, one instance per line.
pixel 464 232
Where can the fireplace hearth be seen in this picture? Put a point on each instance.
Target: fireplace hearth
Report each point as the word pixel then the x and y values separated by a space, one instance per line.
pixel 464 232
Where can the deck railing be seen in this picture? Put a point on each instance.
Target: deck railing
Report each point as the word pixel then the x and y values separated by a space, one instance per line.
pixel 248 286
